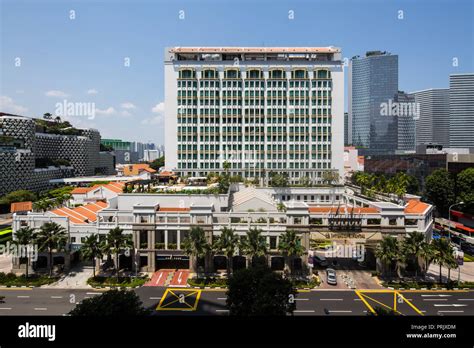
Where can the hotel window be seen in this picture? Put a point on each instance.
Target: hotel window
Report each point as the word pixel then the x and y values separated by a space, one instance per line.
pixel 187 74
pixel 209 74
pixel 254 74
pixel 299 74
pixel 277 74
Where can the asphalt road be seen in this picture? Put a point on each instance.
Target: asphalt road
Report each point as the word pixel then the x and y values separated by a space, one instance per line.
pixel 185 301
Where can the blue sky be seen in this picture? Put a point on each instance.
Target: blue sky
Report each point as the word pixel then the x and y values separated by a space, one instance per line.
pixel 82 60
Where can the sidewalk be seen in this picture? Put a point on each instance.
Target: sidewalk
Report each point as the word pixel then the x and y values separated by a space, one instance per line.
pixel 467 272
pixel 5 263
pixel 76 278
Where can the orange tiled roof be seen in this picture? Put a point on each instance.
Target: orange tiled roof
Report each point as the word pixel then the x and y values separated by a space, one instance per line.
pixel 416 207
pixel 167 173
pixel 21 206
pixel 342 210
pixel 116 187
pixel 81 190
pixel 83 214
pixel 173 209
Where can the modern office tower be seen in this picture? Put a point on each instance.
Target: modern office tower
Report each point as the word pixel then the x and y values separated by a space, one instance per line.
pixel 124 151
pixel 151 155
pixel 461 110
pixel 34 151
pixel 407 113
pixel 373 83
pixel 262 110
pixel 346 129
pixel 432 125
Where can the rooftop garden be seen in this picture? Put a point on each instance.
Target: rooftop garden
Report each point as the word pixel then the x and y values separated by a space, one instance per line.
pixel 54 125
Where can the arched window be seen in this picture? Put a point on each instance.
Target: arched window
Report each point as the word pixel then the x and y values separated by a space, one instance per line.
pixel 254 74
pixel 232 74
pixel 209 74
pixel 299 74
pixel 322 74
pixel 187 74
pixel 277 74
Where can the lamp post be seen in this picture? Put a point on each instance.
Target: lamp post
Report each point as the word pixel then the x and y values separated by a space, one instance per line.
pixel 449 218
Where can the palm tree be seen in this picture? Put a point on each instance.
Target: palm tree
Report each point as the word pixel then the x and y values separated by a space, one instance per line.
pixel 442 253
pixel 195 245
pixel 426 254
pixel 413 248
pixel 226 166
pixel 50 237
pixel 24 237
pixel 290 245
pixel 91 249
pixel 254 245
pixel 117 241
pixel 228 242
pixel 387 251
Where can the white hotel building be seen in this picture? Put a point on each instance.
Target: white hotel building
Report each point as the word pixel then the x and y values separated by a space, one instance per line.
pixel 261 109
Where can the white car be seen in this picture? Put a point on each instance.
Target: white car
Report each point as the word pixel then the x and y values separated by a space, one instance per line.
pixel 331 276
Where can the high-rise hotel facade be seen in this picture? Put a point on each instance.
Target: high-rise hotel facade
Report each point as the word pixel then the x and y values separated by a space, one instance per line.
pixel 262 110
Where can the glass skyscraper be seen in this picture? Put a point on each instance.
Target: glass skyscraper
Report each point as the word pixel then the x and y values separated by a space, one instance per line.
pixel 373 84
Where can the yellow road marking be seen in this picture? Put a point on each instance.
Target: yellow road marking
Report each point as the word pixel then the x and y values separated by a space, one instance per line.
pixel 362 295
pixel 383 304
pixel 410 304
pixel 15 289
pixel 365 302
pixel 166 307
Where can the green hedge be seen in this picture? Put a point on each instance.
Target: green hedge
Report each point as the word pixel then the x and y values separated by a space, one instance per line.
pixel 10 279
pixel 428 285
pixel 123 282
pixel 301 284
pixel 210 282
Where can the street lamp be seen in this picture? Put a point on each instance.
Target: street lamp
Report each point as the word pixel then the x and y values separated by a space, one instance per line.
pixel 449 218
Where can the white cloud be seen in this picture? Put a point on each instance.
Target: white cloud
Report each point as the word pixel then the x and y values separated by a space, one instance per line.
pixel 125 113
pixel 92 91
pixel 158 108
pixel 128 105
pixel 159 118
pixel 56 94
pixel 109 111
pixel 8 105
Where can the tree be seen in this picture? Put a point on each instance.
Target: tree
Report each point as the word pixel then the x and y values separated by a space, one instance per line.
pixel 440 190
pixel 281 206
pixel 113 303
pixel 279 180
pixel 290 246
pixel 413 248
pixel 254 244
pixel 226 166
pixel 259 292
pixel 24 237
pixel 387 251
pixel 50 237
pixel 228 242
pixel 47 116
pixel 18 196
pixel 426 254
pixel 195 245
pixel 117 241
pixel 443 254
pixel 465 187
pixel 91 249
pixel 158 163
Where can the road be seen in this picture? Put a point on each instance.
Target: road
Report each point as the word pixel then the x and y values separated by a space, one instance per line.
pixel 38 301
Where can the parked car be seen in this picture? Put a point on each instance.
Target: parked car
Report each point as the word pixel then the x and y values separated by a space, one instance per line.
pixel 331 276
pixel 320 260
